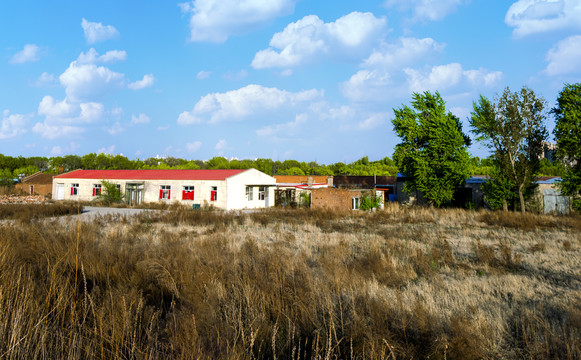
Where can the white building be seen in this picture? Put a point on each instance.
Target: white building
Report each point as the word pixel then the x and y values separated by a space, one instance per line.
pixel 224 189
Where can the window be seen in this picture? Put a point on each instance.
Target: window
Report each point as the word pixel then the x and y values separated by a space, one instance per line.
pixel 165 192
pixel 75 189
pixel 262 193
pixel 96 189
pixel 188 193
pixel 213 193
pixel 355 203
pixel 249 193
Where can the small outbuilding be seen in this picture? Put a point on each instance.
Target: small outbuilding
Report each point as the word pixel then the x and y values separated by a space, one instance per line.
pixel 224 189
pixel 38 183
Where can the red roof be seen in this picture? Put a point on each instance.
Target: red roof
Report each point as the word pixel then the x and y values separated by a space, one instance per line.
pixel 150 174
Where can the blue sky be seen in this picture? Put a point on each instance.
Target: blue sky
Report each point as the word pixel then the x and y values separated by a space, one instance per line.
pixel 283 79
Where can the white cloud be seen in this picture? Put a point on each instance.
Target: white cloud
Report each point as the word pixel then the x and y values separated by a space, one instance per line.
pixel 194 146
pixel 12 125
pixel 54 131
pixel 146 82
pixel 221 145
pixel 310 38
pixel 163 128
pixel 536 16
pixel 92 57
pixel 63 118
pixel 289 128
pixel 108 150
pixel 187 118
pixel 116 129
pixel 216 20
pixel 141 119
pixel 373 121
pixel 246 101
pixel 442 77
pixel 30 53
pixel 87 81
pixel 431 10
pixel 203 75
pixel 46 79
pixel 565 57
pixel 96 32
pixel 366 85
pixel 402 53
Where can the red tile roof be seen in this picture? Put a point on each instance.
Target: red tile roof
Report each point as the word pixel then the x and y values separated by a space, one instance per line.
pixel 150 174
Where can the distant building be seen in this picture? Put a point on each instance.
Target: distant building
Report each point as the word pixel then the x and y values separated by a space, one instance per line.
pixel 224 189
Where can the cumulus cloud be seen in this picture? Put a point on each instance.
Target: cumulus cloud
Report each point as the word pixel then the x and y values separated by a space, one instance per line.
pixel 536 16
pixel 30 53
pixel 97 32
pixel 140 119
pixel 88 81
pixel 193 146
pixel 402 53
pixel 63 118
pixel 93 57
pixel 426 9
pixel 246 101
pixel 565 57
pixel 13 125
pixel 146 82
pixel 54 131
pixel 216 20
pixel 310 38
pixel 442 77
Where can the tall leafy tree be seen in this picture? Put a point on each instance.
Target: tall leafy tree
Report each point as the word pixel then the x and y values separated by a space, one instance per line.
pixel 433 151
pixel 568 136
pixel 513 128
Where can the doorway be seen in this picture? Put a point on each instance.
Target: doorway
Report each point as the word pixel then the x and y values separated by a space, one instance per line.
pixel 134 194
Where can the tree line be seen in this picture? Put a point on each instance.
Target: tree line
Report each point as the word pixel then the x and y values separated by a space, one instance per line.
pixel 433 150
pixel 17 167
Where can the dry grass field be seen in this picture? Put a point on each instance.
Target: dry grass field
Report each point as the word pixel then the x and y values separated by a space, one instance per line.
pixel 403 283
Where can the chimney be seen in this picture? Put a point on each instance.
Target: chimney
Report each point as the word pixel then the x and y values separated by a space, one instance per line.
pixel 61 169
pixel 330 180
pixel 310 181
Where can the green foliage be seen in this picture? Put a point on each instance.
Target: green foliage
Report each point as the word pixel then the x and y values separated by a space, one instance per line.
pixel 305 200
pixel 568 136
pixel 513 128
pixel 24 171
pixel 6 178
pixel 370 201
pixel 292 171
pixel 499 190
pixel 433 151
pixel 111 193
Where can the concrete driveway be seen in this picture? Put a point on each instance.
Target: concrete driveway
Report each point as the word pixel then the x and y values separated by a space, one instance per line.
pixel 90 212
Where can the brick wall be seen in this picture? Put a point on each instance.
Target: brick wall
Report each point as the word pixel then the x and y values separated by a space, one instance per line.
pixel 40 189
pixel 334 198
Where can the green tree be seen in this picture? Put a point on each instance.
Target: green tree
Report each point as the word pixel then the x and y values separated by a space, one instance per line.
pixel 513 128
pixel 433 151
pixel 111 193
pixel 568 136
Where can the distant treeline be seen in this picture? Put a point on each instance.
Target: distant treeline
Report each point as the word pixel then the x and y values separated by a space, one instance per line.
pixel 15 167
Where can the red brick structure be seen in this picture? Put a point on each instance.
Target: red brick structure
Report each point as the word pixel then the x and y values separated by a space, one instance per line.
pixel 335 198
pixel 36 184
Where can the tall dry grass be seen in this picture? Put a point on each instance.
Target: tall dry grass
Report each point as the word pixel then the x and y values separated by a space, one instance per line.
pixel 395 284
